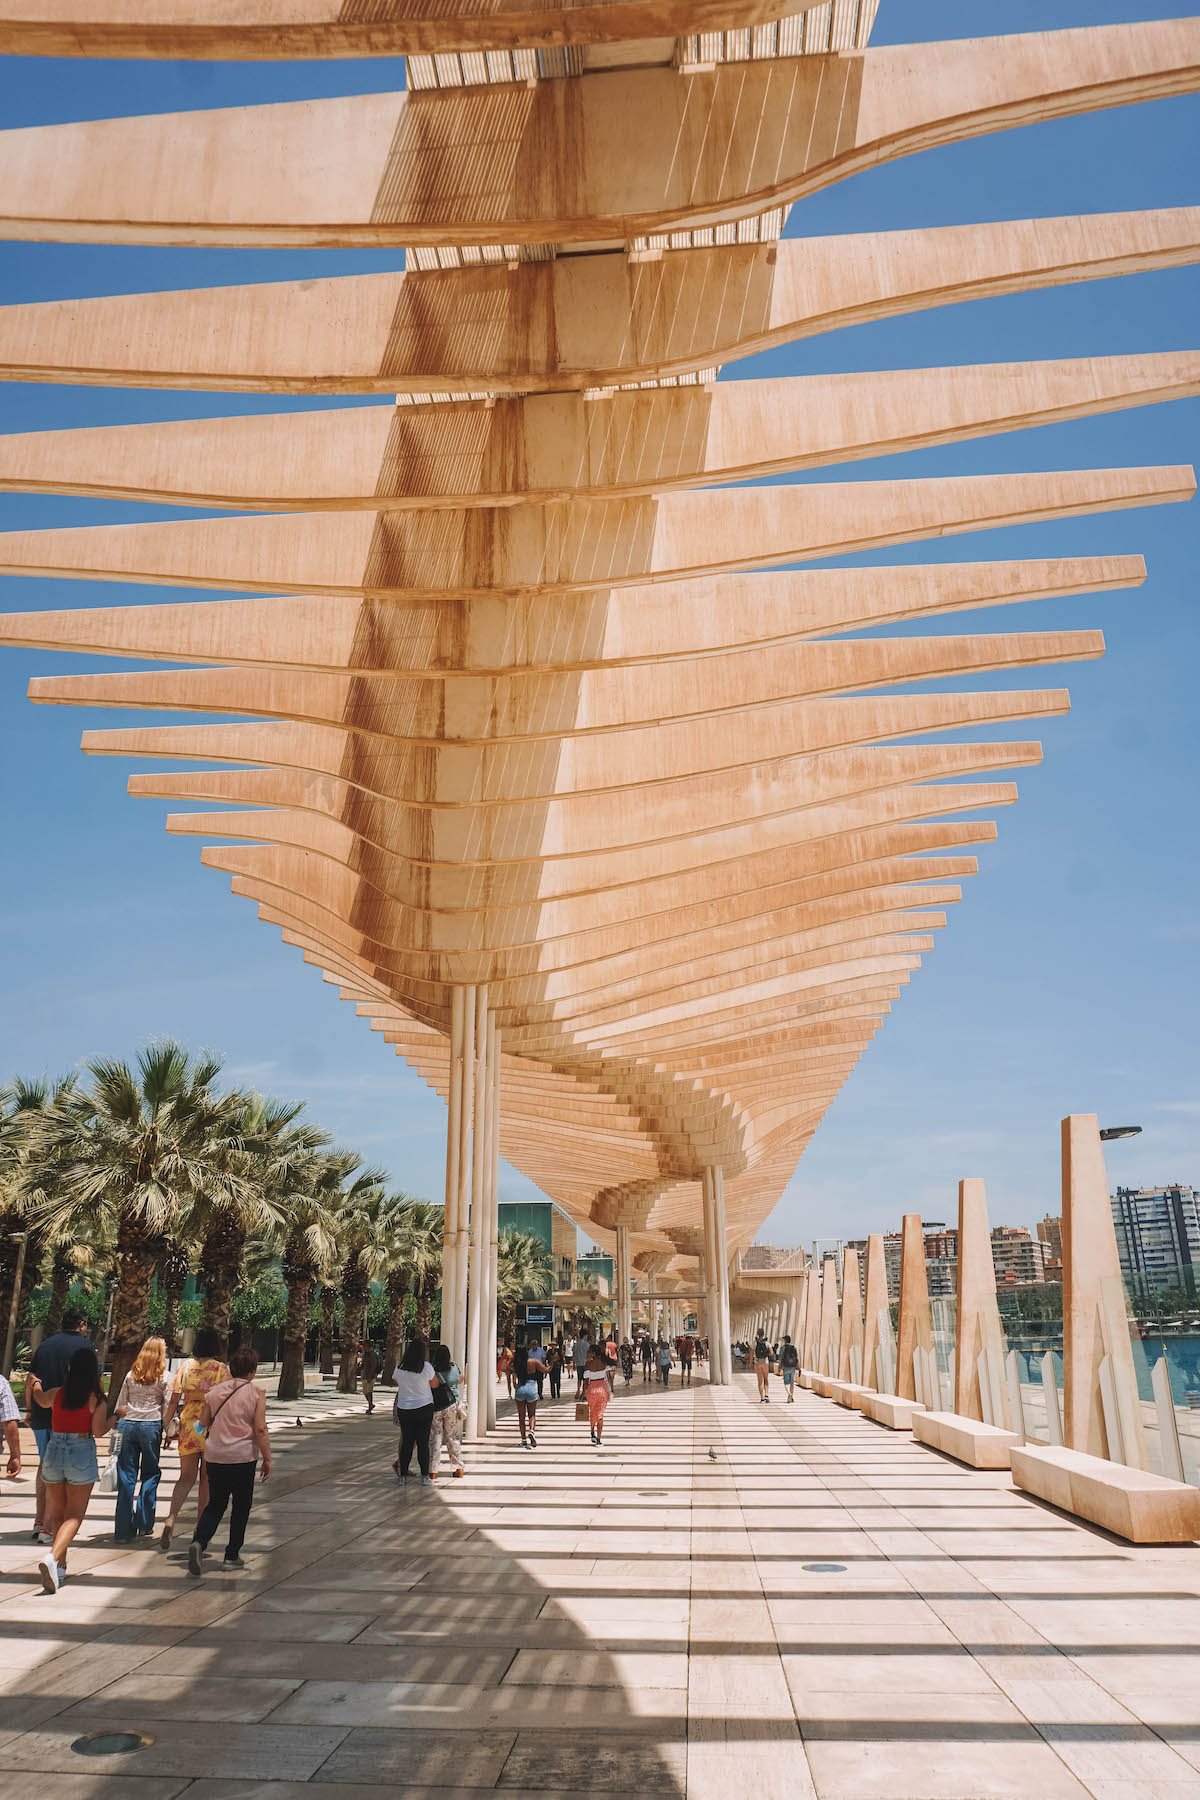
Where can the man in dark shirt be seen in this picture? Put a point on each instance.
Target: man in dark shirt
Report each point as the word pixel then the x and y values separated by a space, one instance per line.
pixel 49 1364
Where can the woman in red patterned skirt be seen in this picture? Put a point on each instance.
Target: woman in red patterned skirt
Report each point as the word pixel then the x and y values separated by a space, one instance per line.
pixel 598 1385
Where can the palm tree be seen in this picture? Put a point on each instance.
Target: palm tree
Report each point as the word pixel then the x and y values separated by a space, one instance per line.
pixel 329 1300
pixel 363 1258
pixel 25 1181
pixel 414 1256
pixel 522 1273
pixel 174 1268
pixel 313 1215
pixel 273 1145
pixel 137 1149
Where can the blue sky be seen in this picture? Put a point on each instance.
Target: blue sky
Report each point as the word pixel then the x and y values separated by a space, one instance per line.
pixel 1067 979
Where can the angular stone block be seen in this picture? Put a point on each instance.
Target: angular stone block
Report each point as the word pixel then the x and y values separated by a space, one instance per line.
pixel 969 1440
pixel 1132 1503
pixel 806 1377
pixel 890 1410
pixel 849 1393
pixel 823 1385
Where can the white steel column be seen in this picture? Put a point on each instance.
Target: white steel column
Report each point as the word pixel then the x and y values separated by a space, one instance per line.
pixel 624 1285
pixel 722 1249
pixel 478 1238
pixel 712 1307
pixel 488 1371
pixel 453 1152
pixel 458 1324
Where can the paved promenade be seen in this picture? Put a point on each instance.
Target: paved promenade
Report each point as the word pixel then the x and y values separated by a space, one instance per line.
pixel 825 1609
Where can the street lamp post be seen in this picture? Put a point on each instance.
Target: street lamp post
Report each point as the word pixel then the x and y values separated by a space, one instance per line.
pixel 19 1238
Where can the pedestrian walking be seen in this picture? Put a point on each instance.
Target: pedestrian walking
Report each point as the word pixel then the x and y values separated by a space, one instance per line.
pixel 504 1366
pixel 49 1365
pixel 193 1382
pixel 554 1367
pixel 140 1406
pixel 647 1356
pixel 234 1421
pixel 598 1384
pixel 10 1424
pixel 525 1365
pixel 687 1349
pixel 627 1361
pixel 789 1363
pixel 446 1428
pixel 664 1362
pixel 78 1416
pixel 368 1368
pixel 580 1353
pixel 412 1410
pixel 762 1367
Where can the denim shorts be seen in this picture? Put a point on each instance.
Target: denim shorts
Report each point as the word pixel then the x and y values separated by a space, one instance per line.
pixel 70 1458
pixel 41 1437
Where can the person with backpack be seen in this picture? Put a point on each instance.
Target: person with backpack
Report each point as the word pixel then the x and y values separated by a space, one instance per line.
pixel 687 1350
pixel 789 1362
pixel 762 1367
pixel 447 1419
pixel 664 1361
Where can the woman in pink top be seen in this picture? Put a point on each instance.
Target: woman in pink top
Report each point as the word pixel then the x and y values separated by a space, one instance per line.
pixel 234 1421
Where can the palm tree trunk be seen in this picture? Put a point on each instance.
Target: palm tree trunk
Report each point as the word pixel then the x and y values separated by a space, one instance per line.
pixel 354 1304
pixel 220 1267
pixel 328 1307
pixel 295 1334
pixel 60 1287
pixel 35 1250
pixel 131 1310
pixel 397 1293
pixel 425 1306
pixel 173 1273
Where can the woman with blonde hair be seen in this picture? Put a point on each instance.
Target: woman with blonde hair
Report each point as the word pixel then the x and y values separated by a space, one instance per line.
pixel 139 1411
pixel 202 1372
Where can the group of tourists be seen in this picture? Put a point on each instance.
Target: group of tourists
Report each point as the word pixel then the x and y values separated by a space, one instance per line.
pixel 217 1412
pixel 766 1356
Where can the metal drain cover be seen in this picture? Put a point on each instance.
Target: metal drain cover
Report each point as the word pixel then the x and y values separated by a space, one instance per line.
pixel 824 1568
pixel 110 1743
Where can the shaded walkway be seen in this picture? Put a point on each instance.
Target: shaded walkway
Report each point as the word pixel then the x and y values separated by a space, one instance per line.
pixel 641 1620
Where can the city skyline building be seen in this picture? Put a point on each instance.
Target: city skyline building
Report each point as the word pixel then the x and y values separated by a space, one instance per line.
pixel 1158 1237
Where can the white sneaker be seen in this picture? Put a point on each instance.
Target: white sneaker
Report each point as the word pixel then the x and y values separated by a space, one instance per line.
pixel 48 1570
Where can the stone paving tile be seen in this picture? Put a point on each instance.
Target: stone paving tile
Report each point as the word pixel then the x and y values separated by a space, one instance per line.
pixel 179 1749
pixel 641 1621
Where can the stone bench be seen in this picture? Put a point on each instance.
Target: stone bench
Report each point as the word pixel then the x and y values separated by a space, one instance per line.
pixel 823 1385
pixel 849 1393
pixel 1131 1503
pixel 889 1410
pixel 968 1440
pixel 805 1377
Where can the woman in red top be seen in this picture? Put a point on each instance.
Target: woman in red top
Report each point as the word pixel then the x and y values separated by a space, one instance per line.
pixel 78 1416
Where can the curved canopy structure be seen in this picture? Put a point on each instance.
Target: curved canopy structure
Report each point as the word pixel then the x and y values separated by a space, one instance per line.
pixel 624 835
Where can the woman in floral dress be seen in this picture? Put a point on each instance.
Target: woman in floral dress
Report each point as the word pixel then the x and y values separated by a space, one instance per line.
pixel 204 1370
